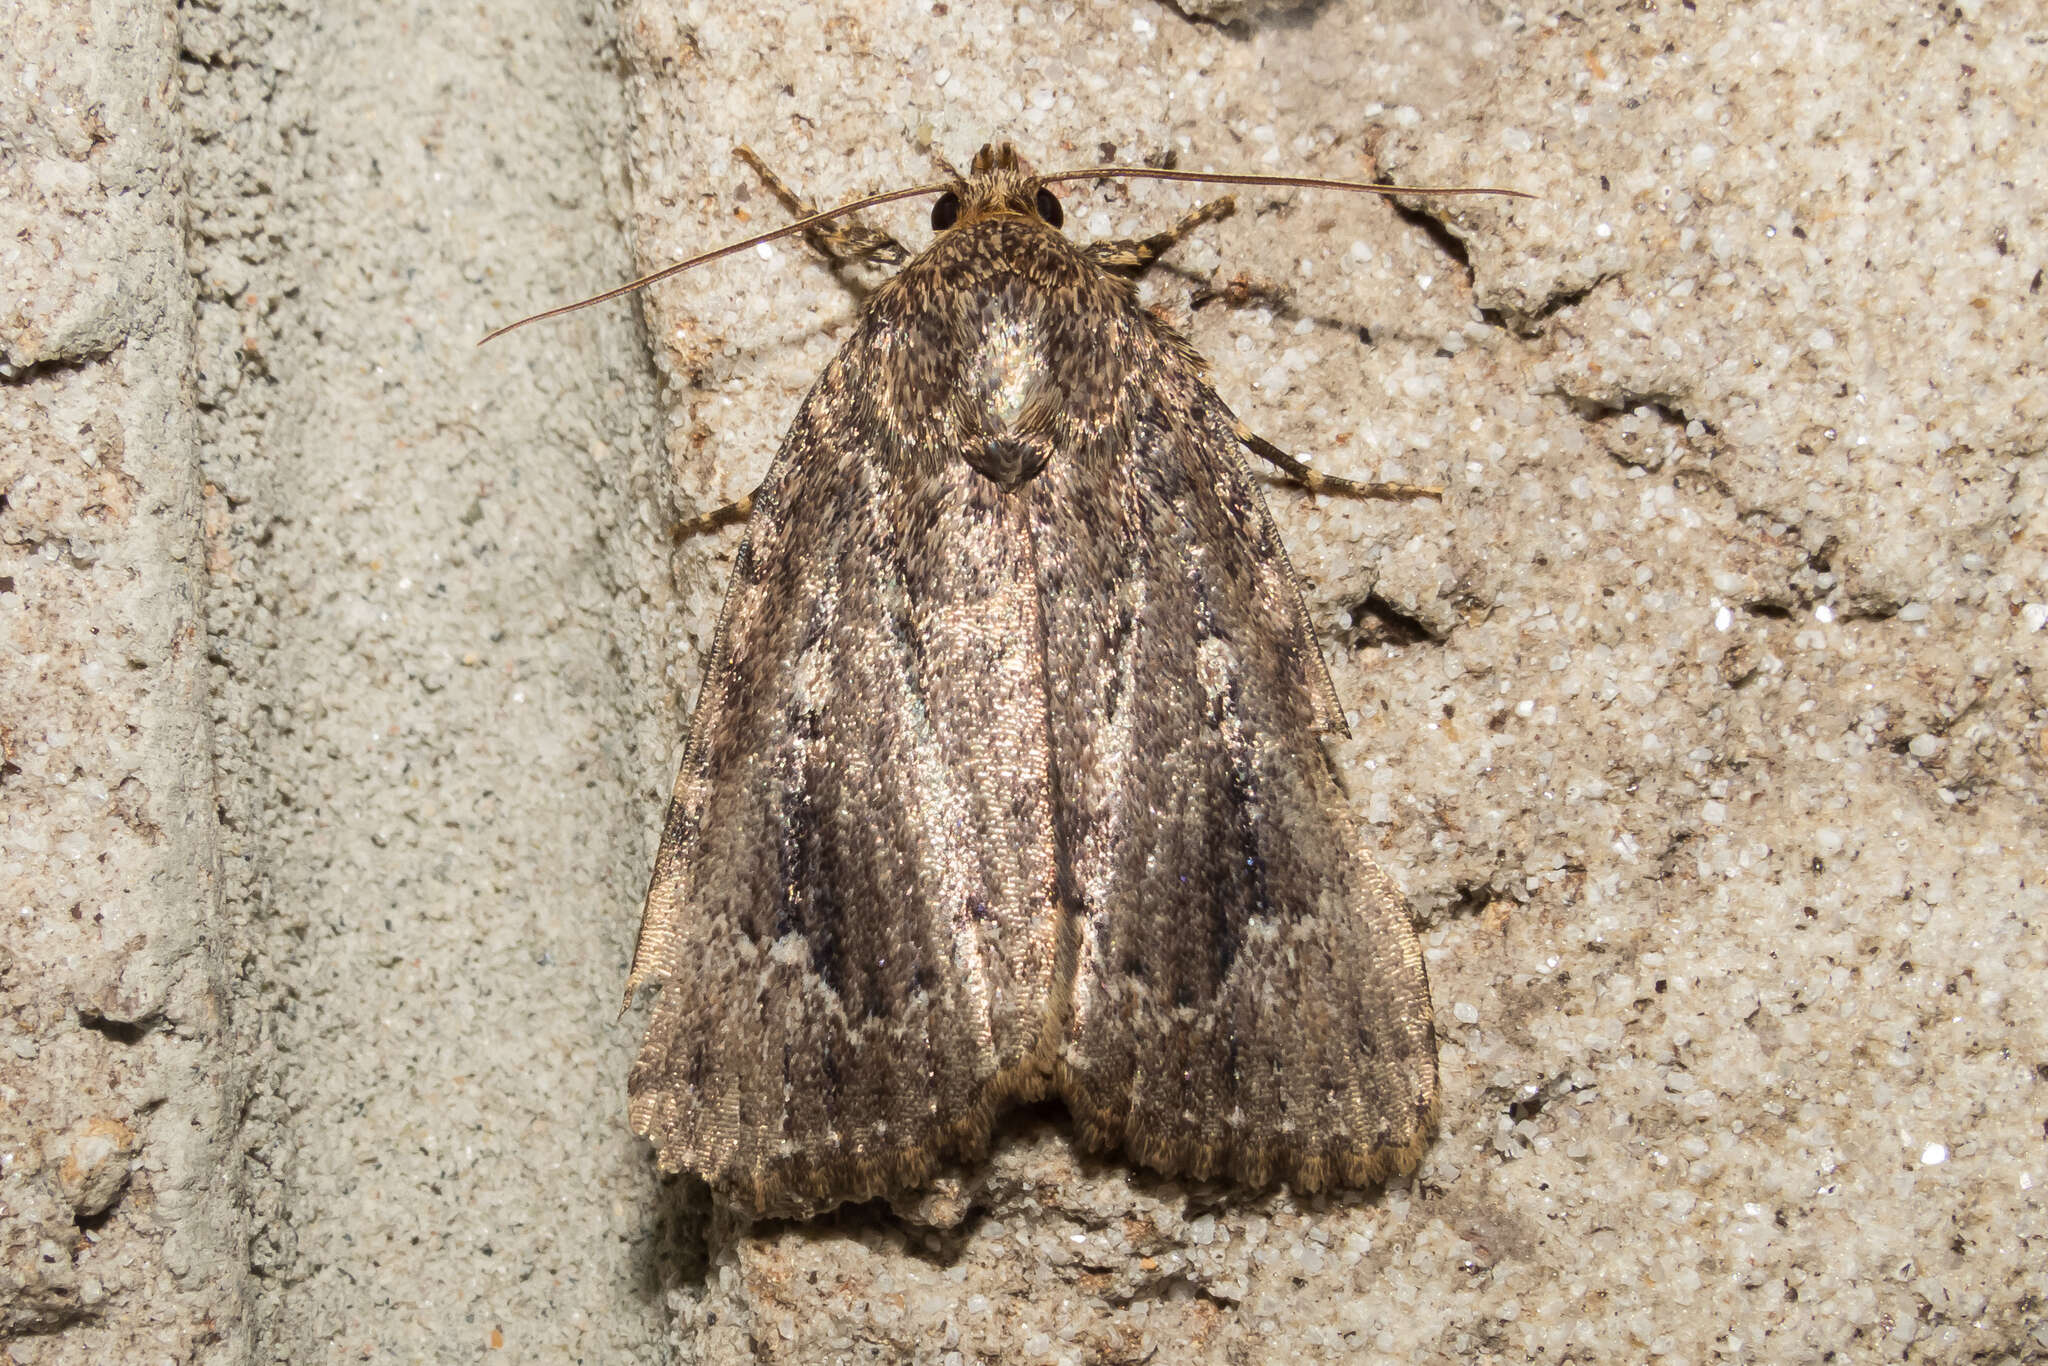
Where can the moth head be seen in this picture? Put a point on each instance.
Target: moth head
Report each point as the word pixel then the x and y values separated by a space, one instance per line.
pixel 999 185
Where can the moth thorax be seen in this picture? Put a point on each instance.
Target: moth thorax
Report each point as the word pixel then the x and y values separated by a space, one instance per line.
pixel 1008 403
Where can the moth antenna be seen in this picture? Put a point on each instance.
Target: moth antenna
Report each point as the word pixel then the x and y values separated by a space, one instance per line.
pixel 1288 181
pixel 824 216
pixel 1090 173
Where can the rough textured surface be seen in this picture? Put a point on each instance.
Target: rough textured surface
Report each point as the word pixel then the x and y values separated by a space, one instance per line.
pixel 437 619
pixel 119 1086
pixel 1703 722
pixel 1700 721
pixel 333 988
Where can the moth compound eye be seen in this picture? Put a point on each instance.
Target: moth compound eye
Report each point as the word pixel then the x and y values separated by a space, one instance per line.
pixel 1049 207
pixel 945 211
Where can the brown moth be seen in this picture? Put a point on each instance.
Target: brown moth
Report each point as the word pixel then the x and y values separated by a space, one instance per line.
pixel 1007 778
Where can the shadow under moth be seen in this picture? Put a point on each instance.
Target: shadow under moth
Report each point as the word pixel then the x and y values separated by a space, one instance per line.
pixel 1007 778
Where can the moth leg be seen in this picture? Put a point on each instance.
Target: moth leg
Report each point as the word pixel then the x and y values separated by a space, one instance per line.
pixel 1316 482
pixel 1136 253
pixel 737 511
pixel 842 242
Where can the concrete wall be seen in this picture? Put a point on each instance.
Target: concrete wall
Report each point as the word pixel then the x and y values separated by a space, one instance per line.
pixel 343 665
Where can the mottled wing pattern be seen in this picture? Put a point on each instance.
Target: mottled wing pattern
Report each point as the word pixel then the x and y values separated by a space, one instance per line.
pixel 1249 999
pixel 1007 776
pixel 851 910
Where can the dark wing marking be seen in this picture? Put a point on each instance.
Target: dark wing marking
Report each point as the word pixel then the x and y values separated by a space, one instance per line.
pixel 851 909
pixel 1249 999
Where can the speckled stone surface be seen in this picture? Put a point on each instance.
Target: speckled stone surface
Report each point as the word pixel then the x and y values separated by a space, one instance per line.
pixel 119 1085
pixel 1703 721
pixel 333 705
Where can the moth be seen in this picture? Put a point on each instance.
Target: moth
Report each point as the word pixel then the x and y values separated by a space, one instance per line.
pixel 1007 780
